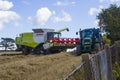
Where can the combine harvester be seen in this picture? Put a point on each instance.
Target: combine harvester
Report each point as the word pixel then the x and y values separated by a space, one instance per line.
pixel 44 41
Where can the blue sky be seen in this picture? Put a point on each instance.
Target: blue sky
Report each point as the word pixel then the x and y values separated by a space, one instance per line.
pixel 18 16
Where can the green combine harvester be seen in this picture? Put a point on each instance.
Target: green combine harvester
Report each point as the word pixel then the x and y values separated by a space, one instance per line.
pixel 44 41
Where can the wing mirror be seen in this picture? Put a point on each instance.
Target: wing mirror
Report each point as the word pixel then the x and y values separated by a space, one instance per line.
pixel 76 33
pixel 67 29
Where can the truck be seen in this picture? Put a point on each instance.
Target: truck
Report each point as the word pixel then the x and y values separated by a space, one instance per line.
pixel 44 41
pixel 90 40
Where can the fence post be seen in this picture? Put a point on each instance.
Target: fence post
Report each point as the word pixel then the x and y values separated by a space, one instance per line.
pixel 109 63
pixel 116 52
pixel 87 67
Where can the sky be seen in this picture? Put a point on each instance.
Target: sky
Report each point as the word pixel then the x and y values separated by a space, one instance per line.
pixel 18 16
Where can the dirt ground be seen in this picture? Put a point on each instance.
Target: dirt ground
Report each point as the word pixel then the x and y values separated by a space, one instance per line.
pixel 14 66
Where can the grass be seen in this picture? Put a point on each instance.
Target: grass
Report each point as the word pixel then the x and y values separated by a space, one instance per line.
pixel 116 70
pixel 31 67
pixel 79 75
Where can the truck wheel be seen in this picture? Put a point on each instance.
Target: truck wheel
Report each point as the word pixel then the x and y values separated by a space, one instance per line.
pixel 97 47
pixel 78 50
pixel 102 46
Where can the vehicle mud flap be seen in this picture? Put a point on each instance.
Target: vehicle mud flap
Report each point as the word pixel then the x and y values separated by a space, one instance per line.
pixel 102 46
pixel 97 47
pixel 78 50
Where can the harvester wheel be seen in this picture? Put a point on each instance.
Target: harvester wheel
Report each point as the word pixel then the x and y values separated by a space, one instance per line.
pixel 47 52
pixel 39 50
pixel 25 51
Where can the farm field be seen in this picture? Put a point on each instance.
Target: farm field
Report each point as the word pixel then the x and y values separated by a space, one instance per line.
pixel 37 67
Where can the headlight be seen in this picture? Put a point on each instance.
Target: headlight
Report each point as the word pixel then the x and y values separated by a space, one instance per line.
pixel 51 41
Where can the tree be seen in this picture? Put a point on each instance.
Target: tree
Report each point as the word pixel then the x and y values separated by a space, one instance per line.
pixel 109 21
pixel 106 40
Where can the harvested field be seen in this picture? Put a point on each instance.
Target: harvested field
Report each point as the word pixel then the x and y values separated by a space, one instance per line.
pixel 37 67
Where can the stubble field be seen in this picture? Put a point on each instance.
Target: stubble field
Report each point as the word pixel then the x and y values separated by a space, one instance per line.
pixel 37 67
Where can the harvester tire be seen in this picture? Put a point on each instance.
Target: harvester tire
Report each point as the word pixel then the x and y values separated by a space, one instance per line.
pixel 39 50
pixel 97 47
pixel 78 50
pixel 25 51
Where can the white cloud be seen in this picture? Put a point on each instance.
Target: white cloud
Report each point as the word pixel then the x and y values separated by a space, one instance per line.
pixel 65 3
pixel 25 2
pixel 59 3
pixel 41 17
pixel 65 17
pixel 16 24
pixel 93 11
pixel 6 17
pixel 44 14
pixel 73 2
pixel 5 5
pixel 5 14
pixel 102 1
pixel 53 13
pixel 114 0
pixel 30 19
pixel 96 22
pixel 1 26
pixel 109 1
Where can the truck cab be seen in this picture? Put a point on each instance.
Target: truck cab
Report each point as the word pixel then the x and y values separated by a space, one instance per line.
pixel 90 40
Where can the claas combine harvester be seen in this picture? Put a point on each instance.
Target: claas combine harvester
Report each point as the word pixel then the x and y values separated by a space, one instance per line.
pixel 44 41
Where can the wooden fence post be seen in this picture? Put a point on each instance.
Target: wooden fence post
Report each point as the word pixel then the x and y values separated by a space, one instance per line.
pixel 87 67
pixel 109 63
pixel 116 52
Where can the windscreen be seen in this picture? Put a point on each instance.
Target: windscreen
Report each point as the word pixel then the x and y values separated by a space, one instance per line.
pixel 86 33
pixel 53 35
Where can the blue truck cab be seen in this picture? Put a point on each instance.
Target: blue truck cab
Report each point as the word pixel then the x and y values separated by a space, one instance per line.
pixel 90 40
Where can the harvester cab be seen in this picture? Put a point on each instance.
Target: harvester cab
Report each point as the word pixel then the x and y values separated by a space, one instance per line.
pixel 90 40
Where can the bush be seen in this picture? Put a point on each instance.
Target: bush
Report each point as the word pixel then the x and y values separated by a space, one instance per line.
pixel 116 71
pixel 106 40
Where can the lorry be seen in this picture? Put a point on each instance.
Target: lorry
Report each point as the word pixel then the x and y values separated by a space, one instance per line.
pixel 90 40
pixel 44 41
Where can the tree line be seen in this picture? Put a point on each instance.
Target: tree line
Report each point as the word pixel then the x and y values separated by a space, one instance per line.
pixel 109 22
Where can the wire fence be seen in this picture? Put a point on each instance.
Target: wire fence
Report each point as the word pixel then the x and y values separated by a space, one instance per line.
pixel 97 67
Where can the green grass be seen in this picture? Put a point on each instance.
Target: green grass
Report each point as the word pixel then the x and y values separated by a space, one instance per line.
pixel 79 75
pixel 116 70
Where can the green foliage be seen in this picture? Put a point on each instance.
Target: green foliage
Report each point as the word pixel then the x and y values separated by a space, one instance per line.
pixel 109 21
pixel 106 40
pixel 79 75
pixel 116 70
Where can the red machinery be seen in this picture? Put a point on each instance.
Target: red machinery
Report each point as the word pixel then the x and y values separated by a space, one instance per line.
pixel 64 41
